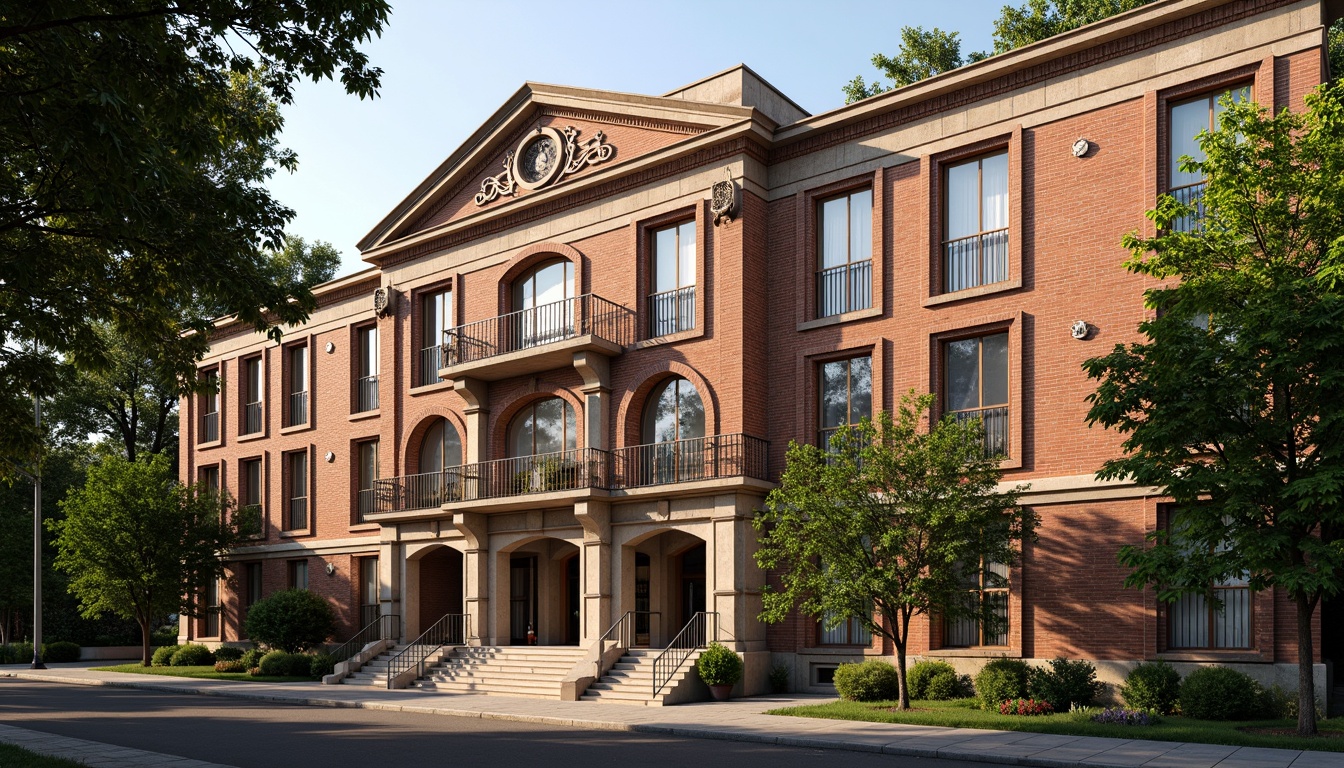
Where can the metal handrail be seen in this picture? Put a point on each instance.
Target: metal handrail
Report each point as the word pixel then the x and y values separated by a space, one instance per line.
pixel 689 460
pixel 844 288
pixel 671 311
pixel 366 391
pixel 382 628
pixel 449 630
pixel 298 408
pixel 623 633
pixel 692 637
pixel 210 427
pixel 975 260
pixel 537 326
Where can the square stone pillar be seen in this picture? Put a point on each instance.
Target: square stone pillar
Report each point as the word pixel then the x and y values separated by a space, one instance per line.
pixel 595 570
pixel 477 412
pixel 475 575
pixel 596 372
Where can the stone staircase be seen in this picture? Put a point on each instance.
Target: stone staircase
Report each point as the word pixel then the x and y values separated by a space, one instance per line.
pixel 630 681
pixel 532 671
pixel 374 671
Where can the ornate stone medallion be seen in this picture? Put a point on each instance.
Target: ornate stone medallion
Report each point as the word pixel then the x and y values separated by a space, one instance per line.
pixel 544 157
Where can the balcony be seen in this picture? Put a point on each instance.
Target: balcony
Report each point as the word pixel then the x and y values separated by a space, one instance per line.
pixel 537 339
pixel 298 408
pixel 995 423
pixel 252 418
pixel 1191 195
pixel 566 476
pixel 366 393
pixel 970 262
pixel 431 360
pixel 846 288
pixel 671 312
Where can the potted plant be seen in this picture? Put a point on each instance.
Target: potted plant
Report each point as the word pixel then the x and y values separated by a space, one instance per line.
pixel 720 669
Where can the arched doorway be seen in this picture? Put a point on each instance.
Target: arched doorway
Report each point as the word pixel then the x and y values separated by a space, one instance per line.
pixel 440 452
pixel 673 433
pixel 664 578
pixel 539 592
pixel 541 310
pixel 439 586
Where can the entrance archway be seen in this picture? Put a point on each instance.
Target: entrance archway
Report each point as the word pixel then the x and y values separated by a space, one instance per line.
pixel 664 577
pixel 440 585
pixel 538 592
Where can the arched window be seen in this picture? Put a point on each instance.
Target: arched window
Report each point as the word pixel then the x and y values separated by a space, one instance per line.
pixel 546 426
pixel 674 412
pixel 441 447
pixel 675 449
pixel 542 313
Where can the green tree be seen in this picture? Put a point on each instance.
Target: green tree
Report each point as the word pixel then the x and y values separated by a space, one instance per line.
pixel 137 139
pixel 305 264
pixel 137 544
pixel 921 54
pixel 1231 402
pixel 893 522
pixel 1036 20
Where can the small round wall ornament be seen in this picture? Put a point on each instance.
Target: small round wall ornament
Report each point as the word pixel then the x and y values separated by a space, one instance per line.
pixel 330 457
pixel 1079 330
pixel 1081 147
pixel 331 347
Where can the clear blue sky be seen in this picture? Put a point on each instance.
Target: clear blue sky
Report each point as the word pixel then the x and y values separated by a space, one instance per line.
pixel 448 65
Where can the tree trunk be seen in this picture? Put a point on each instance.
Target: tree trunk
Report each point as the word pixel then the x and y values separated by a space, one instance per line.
pixel 900 676
pixel 1306 681
pixel 146 653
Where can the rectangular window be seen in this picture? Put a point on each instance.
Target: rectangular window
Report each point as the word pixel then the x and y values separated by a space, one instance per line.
pixel 367 381
pixel 297 514
pixel 250 496
pixel 987 591
pixel 210 407
pixel 253 593
pixel 298 385
pixel 212 609
pixel 368 591
pixel 435 310
pixel 1188 119
pixel 368 477
pixel 845 254
pixel 209 477
pixel 298 574
pixel 975 372
pixel 672 303
pixel 1193 621
pixel 252 389
pixel 846 395
pixel 847 632
pixel 975 223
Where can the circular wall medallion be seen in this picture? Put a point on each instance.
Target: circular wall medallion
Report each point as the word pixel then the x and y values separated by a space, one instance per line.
pixel 331 347
pixel 1081 147
pixel 330 457
pixel 538 159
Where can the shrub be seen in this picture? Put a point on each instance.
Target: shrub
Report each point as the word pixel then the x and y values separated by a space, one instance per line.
pixel 872 680
pixel 1001 680
pixel 1153 686
pixel 165 636
pixel 228 653
pixel 719 665
pixel 60 652
pixel 948 686
pixel 251 658
pixel 1064 683
pixel 1219 693
pixel 291 620
pixel 918 675
pixel 275 663
pixel 1282 704
pixel 254 671
pixel 192 656
pixel 321 664
pixel 1119 716
pixel 780 677
pixel 229 665
pixel 163 657
pixel 1025 707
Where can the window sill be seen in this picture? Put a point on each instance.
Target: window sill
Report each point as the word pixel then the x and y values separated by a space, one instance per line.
pixel 365 527
pixel 425 389
pixel 295 533
pixel 1221 656
pixel 293 428
pixel 843 317
pixel 253 436
pixel 986 652
pixel 209 445
pixel 841 650
pixel 974 293
pixel 373 414
pixel 671 338
pixel 1010 464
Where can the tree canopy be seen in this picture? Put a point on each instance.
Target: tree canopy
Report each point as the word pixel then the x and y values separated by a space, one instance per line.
pixel 137 544
pixel 136 140
pixel 893 521
pixel 1230 403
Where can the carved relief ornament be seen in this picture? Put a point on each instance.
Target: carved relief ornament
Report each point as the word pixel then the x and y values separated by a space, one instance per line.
pixel 544 157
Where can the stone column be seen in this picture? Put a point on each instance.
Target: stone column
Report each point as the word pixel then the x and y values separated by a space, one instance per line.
pixel 474 393
pixel 595 569
pixel 596 372
pixel 476 574
pixel 391 562
pixel 734 584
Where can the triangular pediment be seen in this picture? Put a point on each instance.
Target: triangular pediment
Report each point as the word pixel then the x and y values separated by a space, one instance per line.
pixel 542 139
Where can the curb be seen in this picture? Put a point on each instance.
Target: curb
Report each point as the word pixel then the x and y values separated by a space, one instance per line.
pixel 948 752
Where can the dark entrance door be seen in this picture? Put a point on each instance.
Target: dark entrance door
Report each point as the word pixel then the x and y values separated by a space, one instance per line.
pixel 522 597
pixel 572 600
pixel 692 582
pixel 641 599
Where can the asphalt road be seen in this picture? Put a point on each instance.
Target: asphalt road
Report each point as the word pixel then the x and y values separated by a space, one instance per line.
pixel 250 735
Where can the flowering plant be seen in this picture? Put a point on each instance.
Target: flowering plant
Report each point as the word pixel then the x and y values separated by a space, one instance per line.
pixel 1025 707
pixel 1121 716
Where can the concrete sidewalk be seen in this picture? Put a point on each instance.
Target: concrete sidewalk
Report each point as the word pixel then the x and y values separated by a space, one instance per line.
pixel 93 753
pixel 740 719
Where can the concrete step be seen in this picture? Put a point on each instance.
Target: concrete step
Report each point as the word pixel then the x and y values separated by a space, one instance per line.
pixel 551 692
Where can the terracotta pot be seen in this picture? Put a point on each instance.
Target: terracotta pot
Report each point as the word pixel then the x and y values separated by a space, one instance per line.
pixel 721 692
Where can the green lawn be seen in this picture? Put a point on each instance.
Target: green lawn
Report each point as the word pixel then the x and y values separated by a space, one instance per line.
pixel 17 757
pixel 207 673
pixel 962 714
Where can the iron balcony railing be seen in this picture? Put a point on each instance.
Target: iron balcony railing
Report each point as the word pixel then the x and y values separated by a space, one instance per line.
pixel 846 288
pixel 584 315
pixel 700 631
pixel 1192 195
pixel 995 424
pixel 685 461
pixel 976 260
pixel 431 360
pixel 449 630
pixel 672 311
pixel 541 473
pixel 375 627
pixel 252 418
pixel 298 514
pixel 250 520
pixel 429 490
pixel 210 427
pixel 298 408
pixel 367 501
pixel 366 393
